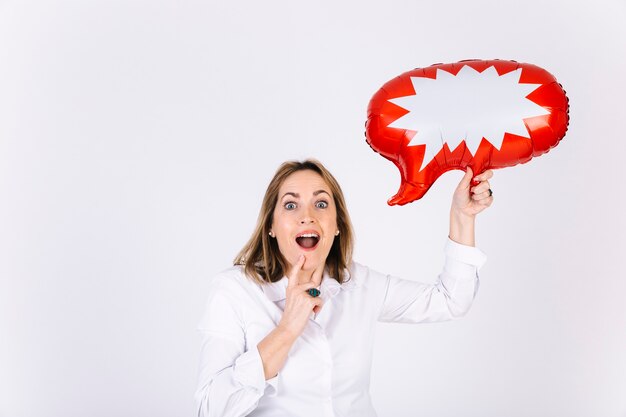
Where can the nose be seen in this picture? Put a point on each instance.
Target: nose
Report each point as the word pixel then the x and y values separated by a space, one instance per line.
pixel 307 217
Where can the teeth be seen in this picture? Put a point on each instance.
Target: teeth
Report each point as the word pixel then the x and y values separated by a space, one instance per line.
pixel 309 235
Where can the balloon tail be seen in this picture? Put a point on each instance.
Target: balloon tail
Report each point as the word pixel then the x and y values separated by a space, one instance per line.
pixel 407 193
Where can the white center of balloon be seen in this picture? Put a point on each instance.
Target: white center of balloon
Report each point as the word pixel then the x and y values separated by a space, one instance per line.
pixel 467 107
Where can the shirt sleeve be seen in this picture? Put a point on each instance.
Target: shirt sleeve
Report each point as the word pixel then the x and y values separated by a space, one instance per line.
pixel 407 301
pixel 231 378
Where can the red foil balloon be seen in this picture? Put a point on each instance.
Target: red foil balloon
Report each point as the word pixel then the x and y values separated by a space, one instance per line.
pixel 482 114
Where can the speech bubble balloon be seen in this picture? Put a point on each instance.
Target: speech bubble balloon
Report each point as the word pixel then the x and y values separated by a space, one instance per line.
pixel 483 114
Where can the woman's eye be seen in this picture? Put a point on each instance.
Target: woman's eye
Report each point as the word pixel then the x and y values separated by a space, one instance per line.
pixel 290 206
pixel 321 204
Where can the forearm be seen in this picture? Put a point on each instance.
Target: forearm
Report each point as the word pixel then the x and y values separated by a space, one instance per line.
pixel 274 349
pixel 462 228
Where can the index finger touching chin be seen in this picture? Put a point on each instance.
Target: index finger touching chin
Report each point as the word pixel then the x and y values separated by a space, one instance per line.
pixel 294 273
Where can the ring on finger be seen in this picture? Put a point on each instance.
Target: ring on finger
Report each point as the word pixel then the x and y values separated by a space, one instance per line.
pixel 313 292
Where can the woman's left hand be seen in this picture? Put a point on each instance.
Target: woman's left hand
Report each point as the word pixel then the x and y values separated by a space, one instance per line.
pixel 471 200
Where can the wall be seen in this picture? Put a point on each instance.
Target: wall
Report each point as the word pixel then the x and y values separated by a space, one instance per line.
pixel 136 139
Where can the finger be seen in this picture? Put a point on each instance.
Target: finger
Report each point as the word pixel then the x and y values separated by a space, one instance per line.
pixel 484 176
pixel 485 201
pixel 294 278
pixel 467 178
pixel 481 196
pixel 318 303
pixel 480 188
pixel 304 289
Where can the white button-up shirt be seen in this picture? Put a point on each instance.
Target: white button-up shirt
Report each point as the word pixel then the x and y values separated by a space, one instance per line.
pixel 327 372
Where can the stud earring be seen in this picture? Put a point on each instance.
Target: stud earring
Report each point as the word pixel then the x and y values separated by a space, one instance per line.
pixel 337 234
pixel 271 233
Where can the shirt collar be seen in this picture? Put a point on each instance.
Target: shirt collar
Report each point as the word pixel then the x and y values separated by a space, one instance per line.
pixel 277 291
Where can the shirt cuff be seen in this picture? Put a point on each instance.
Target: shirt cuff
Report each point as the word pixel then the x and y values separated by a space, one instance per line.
pixel 271 386
pixel 463 260
pixel 248 371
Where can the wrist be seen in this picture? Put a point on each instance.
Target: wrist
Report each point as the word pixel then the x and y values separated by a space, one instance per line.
pixel 286 334
pixel 460 216
pixel 462 228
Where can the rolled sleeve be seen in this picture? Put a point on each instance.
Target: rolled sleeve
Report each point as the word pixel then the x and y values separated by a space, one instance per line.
pixel 248 371
pixel 463 261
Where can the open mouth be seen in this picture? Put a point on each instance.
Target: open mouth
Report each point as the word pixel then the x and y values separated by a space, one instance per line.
pixel 307 240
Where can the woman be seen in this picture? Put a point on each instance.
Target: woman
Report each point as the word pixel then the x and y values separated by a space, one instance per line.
pixel 288 331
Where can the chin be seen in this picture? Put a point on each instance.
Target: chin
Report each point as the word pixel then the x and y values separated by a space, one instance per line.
pixel 310 266
pixel 312 260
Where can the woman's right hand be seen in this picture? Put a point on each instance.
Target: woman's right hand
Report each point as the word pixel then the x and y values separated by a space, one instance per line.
pixel 299 304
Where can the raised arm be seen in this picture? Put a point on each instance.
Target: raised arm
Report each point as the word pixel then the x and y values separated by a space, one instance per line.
pixel 452 295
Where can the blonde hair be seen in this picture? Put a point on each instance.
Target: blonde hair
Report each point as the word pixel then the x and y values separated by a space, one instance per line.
pixel 261 256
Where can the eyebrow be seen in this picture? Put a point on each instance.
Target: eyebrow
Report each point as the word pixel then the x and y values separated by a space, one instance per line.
pixel 296 195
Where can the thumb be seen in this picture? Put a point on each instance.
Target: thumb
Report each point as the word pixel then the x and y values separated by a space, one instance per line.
pixel 467 178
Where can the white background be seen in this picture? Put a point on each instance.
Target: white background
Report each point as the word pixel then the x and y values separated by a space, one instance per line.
pixel 136 141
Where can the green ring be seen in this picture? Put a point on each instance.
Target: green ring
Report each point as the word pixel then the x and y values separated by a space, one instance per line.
pixel 313 292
